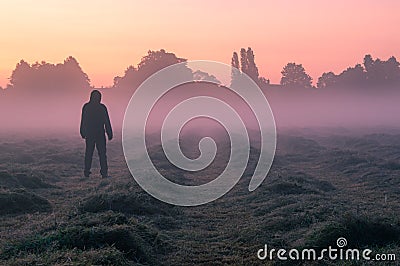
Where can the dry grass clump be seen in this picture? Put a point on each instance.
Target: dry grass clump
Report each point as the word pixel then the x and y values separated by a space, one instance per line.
pixel 138 204
pixel 21 201
pixel 106 239
pixel 21 180
pixel 360 232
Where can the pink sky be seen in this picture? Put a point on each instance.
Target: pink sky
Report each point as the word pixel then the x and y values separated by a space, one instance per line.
pixel 108 36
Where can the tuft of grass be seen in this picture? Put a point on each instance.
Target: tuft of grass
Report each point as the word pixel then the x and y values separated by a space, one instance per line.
pixel 22 202
pixel 135 242
pixel 108 218
pixel 102 256
pixel 127 203
pixel 166 222
pixel 21 180
pixel 360 231
pixel 285 188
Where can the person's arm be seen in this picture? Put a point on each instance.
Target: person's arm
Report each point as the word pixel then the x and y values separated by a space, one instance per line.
pixel 108 124
pixel 83 123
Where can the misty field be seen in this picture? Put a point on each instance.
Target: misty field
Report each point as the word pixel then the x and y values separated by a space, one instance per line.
pixel 322 186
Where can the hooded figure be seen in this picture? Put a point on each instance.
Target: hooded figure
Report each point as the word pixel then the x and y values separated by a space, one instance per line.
pixel 95 122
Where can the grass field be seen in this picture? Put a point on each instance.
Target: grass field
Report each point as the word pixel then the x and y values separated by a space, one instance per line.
pixel 322 186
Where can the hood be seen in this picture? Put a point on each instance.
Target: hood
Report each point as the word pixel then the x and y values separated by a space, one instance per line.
pixel 95 96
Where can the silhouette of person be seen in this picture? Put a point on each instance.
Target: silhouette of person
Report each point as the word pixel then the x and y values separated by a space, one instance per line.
pixel 93 122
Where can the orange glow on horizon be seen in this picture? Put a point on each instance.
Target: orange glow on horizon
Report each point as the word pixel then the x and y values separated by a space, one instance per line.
pixel 108 36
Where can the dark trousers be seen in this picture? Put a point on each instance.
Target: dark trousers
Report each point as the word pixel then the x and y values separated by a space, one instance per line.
pixel 100 143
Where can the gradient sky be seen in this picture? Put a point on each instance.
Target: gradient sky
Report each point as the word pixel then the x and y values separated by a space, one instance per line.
pixel 108 36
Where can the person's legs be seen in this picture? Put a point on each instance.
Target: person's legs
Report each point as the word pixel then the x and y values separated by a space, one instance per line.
pixel 101 149
pixel 90 143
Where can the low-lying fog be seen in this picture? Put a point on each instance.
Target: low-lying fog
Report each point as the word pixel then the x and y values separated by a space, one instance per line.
pixel 347 108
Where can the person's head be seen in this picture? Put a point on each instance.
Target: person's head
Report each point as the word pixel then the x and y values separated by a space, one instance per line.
pixel 95 96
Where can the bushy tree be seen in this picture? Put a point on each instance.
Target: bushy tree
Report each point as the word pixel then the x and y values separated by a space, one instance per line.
pixel 46 78
pixel 295 75
pixel 263 81
pixel 204 76
pixel 20 76
pixel 378 71
pixel 157 60
pixel 326 80
pixel 129 79
pixel 352 76
pixel 148 65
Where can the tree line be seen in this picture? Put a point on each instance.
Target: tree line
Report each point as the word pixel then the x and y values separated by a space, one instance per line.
pixel 371 73
pixel 49 78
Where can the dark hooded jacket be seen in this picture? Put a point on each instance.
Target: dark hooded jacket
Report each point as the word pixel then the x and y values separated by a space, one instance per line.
pixel 95 118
